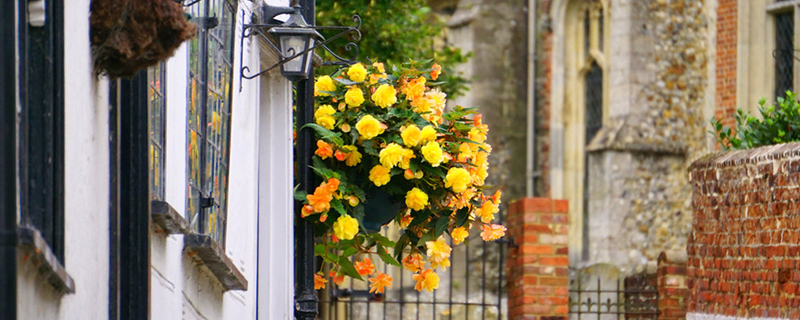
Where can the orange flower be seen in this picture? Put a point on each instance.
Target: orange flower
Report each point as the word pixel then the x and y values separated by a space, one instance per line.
pixel 306 211
pixel 405 220
pixel 365 267
pixel 413 262
pixel 427 280
pixel 437 70
pixel 380 282
pixel 332 185
pixel 493 232
pixel 339 155
pixel 319 282
pixel 324 149
pixel 337 278
pixel 320 200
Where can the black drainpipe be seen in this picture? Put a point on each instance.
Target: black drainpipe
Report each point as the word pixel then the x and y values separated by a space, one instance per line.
pixel 8 167
pixel 305 295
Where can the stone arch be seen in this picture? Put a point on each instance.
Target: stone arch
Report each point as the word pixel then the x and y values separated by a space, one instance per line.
pixel 570 63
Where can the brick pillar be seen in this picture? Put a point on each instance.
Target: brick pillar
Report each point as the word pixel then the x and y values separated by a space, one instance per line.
pixel 672 288
pixel 538 280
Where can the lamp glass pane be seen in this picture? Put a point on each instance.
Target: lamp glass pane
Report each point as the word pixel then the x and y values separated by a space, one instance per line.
pixel 291 45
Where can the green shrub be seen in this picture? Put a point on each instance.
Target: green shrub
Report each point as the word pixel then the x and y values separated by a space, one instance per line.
pixel 778 124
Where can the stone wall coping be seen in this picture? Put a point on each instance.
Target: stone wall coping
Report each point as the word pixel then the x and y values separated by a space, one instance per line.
pixel 673 256
pixel 748 156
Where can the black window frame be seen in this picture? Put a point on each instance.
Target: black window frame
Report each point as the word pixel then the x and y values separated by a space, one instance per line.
pixel 208 186
pixel 41 124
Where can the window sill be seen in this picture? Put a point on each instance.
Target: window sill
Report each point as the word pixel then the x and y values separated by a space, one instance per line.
pixel 38 252
pixel 167 219
pixel 206 251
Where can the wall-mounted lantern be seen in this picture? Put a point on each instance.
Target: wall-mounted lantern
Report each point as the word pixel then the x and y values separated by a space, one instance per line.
pixel 295 41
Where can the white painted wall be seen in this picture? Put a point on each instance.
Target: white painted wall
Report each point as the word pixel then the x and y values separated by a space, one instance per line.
pixel 86 195
pixel 260 185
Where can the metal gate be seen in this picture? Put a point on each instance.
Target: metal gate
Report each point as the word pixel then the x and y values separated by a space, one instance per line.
pixel 596 295
pixel 472 288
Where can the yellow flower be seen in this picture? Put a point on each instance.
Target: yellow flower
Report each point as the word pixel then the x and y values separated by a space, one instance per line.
pixel 369 127
pixel 493 232
pixel 345 227
pixel 354 96
pixel 411 136
pixel 413 262
pixel 423 105
pixel 324 83
pixel 459 235
pixel 457 179
pixel 439 98
pixel 477 135
pixel 438 251
pixel 427 280
pixel 405 163
pixel 391 155
pixel 414 89
pixel 385 96
pixel 324 116
pixel 379 175
pixel 357 72
pixel 379 66
pixel 416 199
pixel 432 153
pixel 353 158
pixel 428 134
pixel 487 211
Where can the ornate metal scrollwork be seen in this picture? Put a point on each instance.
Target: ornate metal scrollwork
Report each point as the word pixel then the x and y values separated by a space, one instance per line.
pixel 260 30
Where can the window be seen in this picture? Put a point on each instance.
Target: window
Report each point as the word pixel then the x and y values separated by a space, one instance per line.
pixel 210 73
pixel 41 71
pixel 157 104
pixel 784 53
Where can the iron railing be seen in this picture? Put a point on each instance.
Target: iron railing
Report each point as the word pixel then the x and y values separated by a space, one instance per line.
pixel 635 297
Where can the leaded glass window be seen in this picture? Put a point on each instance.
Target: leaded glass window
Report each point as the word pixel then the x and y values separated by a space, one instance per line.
pixel 210 67
pixel 594 101
pixel 784 53
pixel 157 107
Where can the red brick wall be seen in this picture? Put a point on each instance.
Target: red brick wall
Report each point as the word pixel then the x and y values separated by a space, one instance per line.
pixel 538 277
pixel 744 251
pixel 727 19
pixel 672 290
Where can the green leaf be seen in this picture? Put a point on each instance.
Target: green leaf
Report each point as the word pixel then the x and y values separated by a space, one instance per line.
pixel 336 204
pixel 425 238
pixel 348 269
pixel 349 251
pixel 300 195
pixel 461 216
pixel 386 257
pixel 402 242
pixel 420 217
pixel 441 225
pixel 384 241
pixel 326 134
pixel 346 82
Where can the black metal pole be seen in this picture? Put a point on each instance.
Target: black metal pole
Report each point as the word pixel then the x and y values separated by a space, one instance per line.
pixel 134 205
pixel 8 168
pixel 305 295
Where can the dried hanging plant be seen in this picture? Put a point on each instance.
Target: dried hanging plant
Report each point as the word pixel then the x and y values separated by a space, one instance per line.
pixel 130 35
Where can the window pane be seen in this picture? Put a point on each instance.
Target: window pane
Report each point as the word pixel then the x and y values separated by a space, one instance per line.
pixel 211 55
pixel 784 53
pixel 156 97
pixel 594 101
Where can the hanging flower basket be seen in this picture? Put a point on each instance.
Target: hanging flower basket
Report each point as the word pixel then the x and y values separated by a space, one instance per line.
pixel 130 35
pixel 387 152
